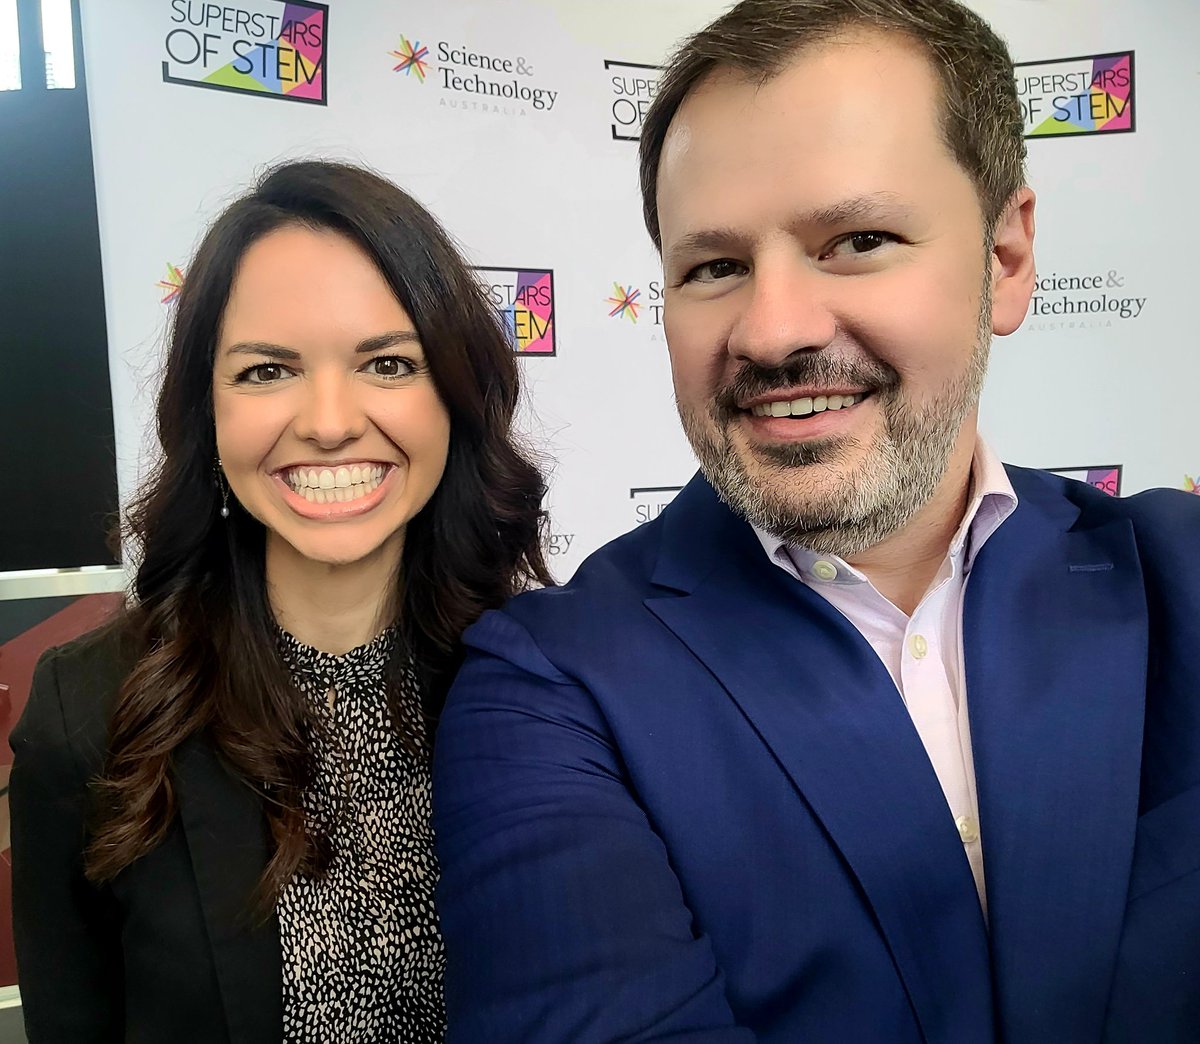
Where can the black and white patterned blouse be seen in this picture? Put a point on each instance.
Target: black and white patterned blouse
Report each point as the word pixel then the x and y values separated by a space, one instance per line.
pixel 362 957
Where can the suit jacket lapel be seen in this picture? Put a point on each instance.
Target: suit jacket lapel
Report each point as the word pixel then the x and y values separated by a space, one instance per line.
pixel 227 838
pixel 1055 640
pixel 825 706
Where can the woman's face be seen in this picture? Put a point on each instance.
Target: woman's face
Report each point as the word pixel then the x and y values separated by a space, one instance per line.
pixel 329 427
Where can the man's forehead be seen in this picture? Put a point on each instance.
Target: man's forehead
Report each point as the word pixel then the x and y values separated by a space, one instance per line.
pixel 889 65
pixel 845 117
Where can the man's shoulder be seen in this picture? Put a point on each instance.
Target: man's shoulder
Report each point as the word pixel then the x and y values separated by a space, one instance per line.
pixel 615 577
pixel 1163 520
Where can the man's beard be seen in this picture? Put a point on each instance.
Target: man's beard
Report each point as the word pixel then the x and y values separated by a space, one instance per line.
pixel 900 472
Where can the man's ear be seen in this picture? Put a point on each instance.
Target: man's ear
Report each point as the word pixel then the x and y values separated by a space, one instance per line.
pixel 1013 269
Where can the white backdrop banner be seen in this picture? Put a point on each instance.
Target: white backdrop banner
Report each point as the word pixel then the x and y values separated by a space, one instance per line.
pixel 517 124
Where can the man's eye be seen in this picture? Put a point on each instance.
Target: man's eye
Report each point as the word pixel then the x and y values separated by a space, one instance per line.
pixel 711 271
pixel 264 373
pixel 389 366
pixel 860 243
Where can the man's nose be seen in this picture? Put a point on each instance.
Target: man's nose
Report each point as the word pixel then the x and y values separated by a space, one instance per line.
pixel 786 310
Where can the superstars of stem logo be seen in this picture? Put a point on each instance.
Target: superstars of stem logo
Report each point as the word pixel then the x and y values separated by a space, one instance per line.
pixel 1086 300
pixel 473 80
pixel 1105 477
pixel 1092 94
pixel 649 501
pixel 269 48
pixel 1191 485
pixel 631 87
pixel 630 303
pixel 524 298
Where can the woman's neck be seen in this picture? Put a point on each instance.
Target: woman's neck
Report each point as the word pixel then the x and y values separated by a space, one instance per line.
pixel 333 608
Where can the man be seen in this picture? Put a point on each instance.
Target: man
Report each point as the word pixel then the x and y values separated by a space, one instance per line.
pixel 825 752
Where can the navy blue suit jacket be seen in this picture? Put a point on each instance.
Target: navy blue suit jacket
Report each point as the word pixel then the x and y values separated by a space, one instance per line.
pixel 680 798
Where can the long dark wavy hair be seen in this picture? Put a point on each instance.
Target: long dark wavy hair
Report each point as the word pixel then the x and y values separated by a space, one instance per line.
pixel 203 635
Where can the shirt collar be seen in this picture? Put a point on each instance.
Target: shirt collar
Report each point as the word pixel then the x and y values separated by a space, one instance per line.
pixel 365 661
pixel 992 500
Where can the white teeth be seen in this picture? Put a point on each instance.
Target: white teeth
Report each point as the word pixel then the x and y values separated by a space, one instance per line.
pixel 805 406
pixel 330 486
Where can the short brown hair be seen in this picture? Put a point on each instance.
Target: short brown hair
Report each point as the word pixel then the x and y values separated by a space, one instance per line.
pixel 981 115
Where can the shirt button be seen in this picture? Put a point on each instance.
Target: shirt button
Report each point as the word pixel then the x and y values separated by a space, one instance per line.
pixel 918 646
pixel 968 829
pixel 823 570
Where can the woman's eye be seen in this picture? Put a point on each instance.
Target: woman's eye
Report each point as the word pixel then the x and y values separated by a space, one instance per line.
pixel 389 366
pixel 711 271
pixel 860 243
pixel 265 373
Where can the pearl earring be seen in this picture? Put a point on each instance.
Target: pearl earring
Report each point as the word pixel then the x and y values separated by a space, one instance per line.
pixel 224 488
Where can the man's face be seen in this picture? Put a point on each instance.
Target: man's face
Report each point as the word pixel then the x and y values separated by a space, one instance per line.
pixel 827 300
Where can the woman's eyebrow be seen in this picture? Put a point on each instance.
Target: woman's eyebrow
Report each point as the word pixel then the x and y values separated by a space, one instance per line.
pixel 271 351
pixel 388 340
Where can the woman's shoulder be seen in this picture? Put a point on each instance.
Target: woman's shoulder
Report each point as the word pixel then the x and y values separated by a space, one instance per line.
pixel 105 654
pixel 71 697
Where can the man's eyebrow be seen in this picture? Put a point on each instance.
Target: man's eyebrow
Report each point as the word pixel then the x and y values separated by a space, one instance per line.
pixel 848 211
pixel 874 205
pixel 704 241
pixel 278 352
pixel 388 340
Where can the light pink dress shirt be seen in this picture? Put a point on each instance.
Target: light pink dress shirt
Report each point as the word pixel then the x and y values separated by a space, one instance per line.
pixel 923 653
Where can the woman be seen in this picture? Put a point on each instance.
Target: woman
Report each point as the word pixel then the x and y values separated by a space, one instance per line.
pixel 221 803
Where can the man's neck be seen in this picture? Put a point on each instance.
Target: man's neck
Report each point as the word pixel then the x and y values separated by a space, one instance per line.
pixel 333 608
pixel 903 566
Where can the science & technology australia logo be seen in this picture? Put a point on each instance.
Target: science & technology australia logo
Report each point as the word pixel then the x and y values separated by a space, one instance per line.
pixel 1082 302
pixel 630 303
pixel 473 80
pixel 270 48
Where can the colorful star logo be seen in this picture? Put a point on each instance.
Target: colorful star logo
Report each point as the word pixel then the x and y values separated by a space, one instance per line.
pixel 412 58
pixel 625 302
pixel 171 285
pixel 1191 485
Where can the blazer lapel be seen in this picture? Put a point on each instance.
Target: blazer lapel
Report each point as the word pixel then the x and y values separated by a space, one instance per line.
pixel 825 706
pixel 227 838
pixel 1055 640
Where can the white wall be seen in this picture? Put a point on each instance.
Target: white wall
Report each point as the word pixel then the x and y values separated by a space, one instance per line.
pixel 551 188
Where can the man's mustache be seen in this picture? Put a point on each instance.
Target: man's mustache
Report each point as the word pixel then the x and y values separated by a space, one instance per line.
pixel 752 379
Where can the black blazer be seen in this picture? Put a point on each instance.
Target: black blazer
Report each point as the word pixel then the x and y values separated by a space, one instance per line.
pixel 169 953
